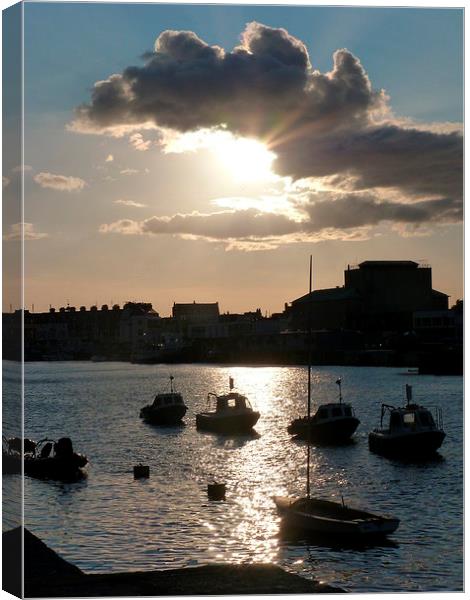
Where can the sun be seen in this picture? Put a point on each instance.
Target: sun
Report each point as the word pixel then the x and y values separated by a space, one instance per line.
pixel 246 159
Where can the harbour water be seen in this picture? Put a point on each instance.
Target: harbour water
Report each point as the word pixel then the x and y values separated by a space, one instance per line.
pixel 109 522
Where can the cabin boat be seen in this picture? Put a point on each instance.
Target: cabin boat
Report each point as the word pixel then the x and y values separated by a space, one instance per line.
pixel 46 459
pixel 412 430
pixel 332 423
pixel 167 408
pixel 233 414
pixel 325 517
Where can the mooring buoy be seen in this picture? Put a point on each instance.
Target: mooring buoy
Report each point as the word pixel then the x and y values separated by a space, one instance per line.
pixel 141 471
pixel 216 491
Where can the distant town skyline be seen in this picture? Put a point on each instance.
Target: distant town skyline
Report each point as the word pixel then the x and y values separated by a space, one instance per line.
pixel 166 313
pixel 189 152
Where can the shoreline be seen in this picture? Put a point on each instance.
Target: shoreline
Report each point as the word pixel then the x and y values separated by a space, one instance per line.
pixel 47 575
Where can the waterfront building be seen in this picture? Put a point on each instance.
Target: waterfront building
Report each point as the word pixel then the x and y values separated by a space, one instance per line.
pixel 378 295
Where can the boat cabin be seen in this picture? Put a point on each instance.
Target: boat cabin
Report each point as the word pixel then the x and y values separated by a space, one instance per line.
pixel 411 418
pixel 169 399
pixel 335 410
pixel 232 401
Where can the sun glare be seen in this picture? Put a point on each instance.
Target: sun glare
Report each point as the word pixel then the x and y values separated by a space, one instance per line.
pixel 246 159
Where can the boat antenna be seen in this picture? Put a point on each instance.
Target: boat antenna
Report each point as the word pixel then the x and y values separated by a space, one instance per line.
pixel 338 383
pixel 309 388
pixel 409 394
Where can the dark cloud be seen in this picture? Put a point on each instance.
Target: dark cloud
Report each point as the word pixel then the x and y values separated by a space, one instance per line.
pixel 265 85
pixel 416 161
pixel 222 225
pixel 318 124
pixel 354 210
pixel 325 216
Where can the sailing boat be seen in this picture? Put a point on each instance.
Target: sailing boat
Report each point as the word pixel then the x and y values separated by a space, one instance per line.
pixel 334 422
pixel 316 515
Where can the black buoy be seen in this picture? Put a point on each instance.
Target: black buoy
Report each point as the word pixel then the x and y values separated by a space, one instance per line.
pixel 216 491
pixel 141 471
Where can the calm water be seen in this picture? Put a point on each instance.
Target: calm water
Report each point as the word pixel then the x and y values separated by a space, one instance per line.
pixel 112 523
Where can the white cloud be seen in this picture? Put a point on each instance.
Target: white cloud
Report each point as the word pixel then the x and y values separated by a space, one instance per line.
pixel 124 226
pixel 137 141
pixel 22 169
pixel 308 217
pixel 129 203
pixel 28 231
pixel 59 182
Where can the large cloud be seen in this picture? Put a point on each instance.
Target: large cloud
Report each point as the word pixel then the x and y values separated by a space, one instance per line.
pixel 264 87
pixel 330 124
pixel 323 216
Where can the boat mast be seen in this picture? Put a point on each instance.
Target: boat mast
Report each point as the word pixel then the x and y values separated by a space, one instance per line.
pixel 338 383
pixel 309 388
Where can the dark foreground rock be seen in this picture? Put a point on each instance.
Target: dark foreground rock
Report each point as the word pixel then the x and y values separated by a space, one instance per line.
pixel 48 575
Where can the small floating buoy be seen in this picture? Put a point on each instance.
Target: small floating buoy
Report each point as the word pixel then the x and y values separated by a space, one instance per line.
pixel 216 491
pixel 141 471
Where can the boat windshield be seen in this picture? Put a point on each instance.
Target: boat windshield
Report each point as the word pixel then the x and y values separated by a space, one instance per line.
pixel 167 399
pixel 425 418
pixel 409 418
pixel 232 401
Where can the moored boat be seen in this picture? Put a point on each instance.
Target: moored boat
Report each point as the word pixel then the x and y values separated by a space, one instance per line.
pixel 167 408
pixel 46 459
pixel 412 431
pixel 233 414
pixel 332 518
pixel 332 423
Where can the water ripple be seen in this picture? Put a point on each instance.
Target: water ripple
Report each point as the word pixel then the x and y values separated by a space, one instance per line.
pixel 110 522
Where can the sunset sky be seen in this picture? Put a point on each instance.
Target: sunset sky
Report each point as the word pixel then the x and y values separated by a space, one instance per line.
pixel 185 152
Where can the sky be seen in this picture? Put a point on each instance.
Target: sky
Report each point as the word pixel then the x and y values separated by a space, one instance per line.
pixel 188 152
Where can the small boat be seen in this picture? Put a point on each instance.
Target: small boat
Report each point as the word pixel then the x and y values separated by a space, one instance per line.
pixel 46 459
pixel 315 515
pixel 167 408
pixel 412 430
pixel 233 414
pixel 332 423
pixel 319 516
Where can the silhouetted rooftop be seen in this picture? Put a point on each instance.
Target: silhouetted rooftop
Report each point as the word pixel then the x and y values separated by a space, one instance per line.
pixel 388 263
pixel 329 294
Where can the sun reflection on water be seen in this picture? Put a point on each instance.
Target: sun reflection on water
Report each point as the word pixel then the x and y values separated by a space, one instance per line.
pixel 112 523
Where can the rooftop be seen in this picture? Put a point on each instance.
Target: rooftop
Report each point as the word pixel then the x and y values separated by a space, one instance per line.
pixel 329 294
pixel 410 264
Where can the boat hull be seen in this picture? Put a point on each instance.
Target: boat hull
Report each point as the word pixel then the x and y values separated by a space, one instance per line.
pixel 46 468
pixel 230 424
pixel 409 445
pixel 338 431
pixel 363 526
pixel 11 464
pixel 165 415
